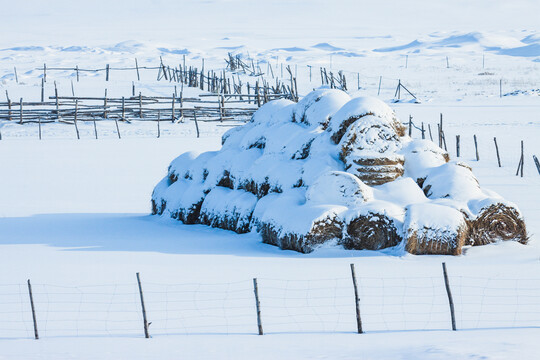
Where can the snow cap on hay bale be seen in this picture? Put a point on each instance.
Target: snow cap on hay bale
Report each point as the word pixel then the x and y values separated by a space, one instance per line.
pixel 453 180
pixel 369 150
pixel 358 108
pixel 315 108
pixel 228 209
pixel 375 226
pixel 496 220
pixel 179 167
pixel 338 187
pixel 285 220
pixel 183 200
pixel 421 156
pixel 434 229
pixel 271 109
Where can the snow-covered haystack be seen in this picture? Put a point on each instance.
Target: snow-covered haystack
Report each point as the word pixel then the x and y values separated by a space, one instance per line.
pixel 334 169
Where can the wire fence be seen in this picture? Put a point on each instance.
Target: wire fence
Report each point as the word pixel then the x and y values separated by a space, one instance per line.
pixel 286 306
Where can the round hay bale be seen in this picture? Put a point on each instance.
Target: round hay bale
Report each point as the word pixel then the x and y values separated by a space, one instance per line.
pixel 369 151
pixel 421 156
pixel 453 180
pixel 371 231
pixel 434 229
pixel 322 230
pixel 316 107
pixel 228 209
pixel 339 187
pixel 360 108
pixel 158 201
pixel 498 222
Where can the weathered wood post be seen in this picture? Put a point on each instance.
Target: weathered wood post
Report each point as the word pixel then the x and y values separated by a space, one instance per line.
pixel 158 120
pixel 137 67
pixel 21 111
pixel 497 151
pixel 356 301
pixel 410 125
pixel 75 119
pixel 172 108
pixel 457 145
pixel 450 299
pixel 196 124
pixel 140 106
pixel 36 335
pixel 476 148
pixel 42 90
pixel 77 71
pixel 258 306
pixel 107 73
pixel 44 72
pixel 146 334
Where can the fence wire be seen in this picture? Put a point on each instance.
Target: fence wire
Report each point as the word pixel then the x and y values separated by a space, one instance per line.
pixel 287 306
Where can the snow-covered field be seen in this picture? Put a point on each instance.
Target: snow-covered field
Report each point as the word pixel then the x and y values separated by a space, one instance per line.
pixel 74 214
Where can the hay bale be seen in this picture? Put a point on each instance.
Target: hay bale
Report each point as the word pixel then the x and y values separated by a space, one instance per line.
pixel 184 200
pixel 287 221
pixel 421 156
pixel 434 229
pixel 369 151
pixel 373 228
pixel 322 230
pixel 361 108
pixel 339 187
pixel 497 221
pixel 178 168
pixel 158 202
pixel 228 209
pixel 453 180
pixel 315 108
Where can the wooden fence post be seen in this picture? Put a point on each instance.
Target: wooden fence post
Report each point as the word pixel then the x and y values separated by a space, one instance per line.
pixel 172 109
pixel 450 299
pixel 521 160
pixel 196 124
pixel 258 306
pixel 44 72
pixel 42 90
pixel 497 151
pixel 476 147
pixel 535 159
pixel 457 145
pixel 36 335
pixel 410 125
pixel 21 111
pixel 75 119
pixel 137 67
pixel 107 73
pixel 357 301
pixel 146 334
pixel 158 129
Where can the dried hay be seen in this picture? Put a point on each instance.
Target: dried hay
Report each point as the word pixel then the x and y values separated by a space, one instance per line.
pixel 258 189
pixel 321 232
pixel 498 222
pixel 429 241
pixel 371 231
pixel 434 229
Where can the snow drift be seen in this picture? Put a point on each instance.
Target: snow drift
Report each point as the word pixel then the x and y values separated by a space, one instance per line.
pixel 334 169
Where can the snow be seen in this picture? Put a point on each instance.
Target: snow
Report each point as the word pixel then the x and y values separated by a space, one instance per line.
pixel 75 213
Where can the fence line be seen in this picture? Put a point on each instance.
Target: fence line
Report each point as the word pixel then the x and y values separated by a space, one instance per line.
pixel 277 305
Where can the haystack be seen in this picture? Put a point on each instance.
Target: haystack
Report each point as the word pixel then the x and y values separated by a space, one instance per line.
pixel 434 229
pixel 331 167
pixel 497 221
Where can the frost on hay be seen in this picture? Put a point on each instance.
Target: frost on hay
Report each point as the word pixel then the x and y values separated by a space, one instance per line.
pixel 331 169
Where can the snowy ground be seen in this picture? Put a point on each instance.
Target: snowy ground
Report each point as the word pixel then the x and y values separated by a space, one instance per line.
pixel 74 214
